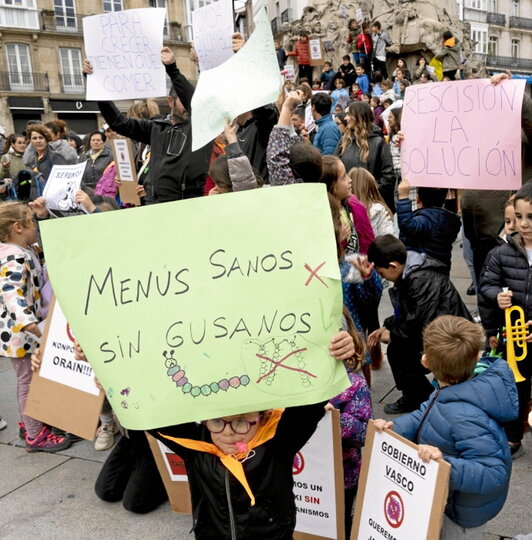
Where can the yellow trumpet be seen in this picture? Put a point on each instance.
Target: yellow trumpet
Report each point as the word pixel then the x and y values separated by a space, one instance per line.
pixel 516 332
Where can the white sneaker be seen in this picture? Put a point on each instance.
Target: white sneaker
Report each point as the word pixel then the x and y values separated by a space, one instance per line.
pixel 105 436
pixel 3 423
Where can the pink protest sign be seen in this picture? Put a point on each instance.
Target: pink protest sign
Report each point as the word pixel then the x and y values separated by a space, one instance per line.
pixel 463 134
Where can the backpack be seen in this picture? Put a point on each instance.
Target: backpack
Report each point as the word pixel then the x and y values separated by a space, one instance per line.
pixel 26 186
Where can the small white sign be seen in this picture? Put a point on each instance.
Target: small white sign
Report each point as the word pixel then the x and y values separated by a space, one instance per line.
pixel 58 360
pixel 174 464
pixel 124 49
pixel 314 483
pixel 213 27
pixel 123 160
pixel 315 49
pixel 399 494
pixel 60 190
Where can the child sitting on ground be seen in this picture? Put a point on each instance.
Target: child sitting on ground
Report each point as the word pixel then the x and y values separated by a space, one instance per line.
pixel 461 423
pixel 240 467
pixel 430 229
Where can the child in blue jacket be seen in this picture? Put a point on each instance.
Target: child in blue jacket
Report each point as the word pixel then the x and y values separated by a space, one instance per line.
pixel 461 423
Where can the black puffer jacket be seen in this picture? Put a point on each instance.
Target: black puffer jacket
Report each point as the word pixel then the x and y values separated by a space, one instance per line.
pixel 379 163
pixel 221 507
pixel 423 293
pixel 175 172
pixel 428 230
pixel 507 266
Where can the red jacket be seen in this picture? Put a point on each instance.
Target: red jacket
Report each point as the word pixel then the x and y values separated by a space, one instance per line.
pixel 302 52
pixel 364 44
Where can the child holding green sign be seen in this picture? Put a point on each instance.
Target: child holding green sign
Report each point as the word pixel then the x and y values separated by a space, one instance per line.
pixel 240 467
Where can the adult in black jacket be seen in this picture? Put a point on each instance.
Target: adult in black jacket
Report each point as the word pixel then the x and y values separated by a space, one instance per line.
pixel 362 145
pixel 221 506
pixel 422 291
pixel 175 172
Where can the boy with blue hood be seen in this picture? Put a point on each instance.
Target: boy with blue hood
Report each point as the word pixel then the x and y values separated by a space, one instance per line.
pixel 461 423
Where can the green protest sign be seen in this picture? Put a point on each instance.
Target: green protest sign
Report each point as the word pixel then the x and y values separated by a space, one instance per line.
pixel 204 307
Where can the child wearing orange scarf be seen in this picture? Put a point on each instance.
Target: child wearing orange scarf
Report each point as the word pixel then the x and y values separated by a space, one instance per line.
pixel 240 467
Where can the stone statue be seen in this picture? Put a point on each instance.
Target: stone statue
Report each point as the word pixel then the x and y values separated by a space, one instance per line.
pixel 415 27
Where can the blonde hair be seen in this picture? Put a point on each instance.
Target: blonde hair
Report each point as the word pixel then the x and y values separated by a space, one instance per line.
pixel 452 345
pixel 10 213
pixel 357 360
pixel 362 114
pixel 143 108
pixel 365 188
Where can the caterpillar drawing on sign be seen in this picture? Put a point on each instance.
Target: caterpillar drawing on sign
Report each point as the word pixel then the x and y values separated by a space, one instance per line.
pixel 177 375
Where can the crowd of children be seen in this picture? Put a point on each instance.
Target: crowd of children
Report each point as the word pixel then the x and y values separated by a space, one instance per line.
pixel 468 412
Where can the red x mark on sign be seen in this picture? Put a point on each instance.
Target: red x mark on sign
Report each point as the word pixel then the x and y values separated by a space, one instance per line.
pixel 280 364
pixel 314 274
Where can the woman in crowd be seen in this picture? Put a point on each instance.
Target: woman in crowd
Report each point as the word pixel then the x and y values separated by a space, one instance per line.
pixel 44 157
pixel 362 145
pixel 11 161
pixel 98 156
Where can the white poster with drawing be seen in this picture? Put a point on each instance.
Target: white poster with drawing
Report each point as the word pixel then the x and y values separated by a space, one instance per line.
pixel 58 361
pixel 60 190
pixel 212 26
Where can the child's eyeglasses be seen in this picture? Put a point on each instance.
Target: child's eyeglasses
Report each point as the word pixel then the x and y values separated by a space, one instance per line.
pixel 238 425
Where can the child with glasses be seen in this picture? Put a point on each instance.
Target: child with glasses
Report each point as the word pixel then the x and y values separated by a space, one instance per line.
pixel 240 467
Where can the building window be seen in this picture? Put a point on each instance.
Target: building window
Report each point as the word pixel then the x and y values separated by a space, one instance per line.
pixel 19 65
pixel 71 74
pixel 65 13
pixel 113 5
pixel 515 48
pixel 161 4
pixel 515 8
pixel 479 35
pixel 478 4
pixel 30 4
pixel 493 45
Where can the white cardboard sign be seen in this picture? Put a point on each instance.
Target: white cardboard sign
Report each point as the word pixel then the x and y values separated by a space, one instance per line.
pixel 58 361
pixel 212 26
pixel 124 50
pixel 60 190
pixel 314 483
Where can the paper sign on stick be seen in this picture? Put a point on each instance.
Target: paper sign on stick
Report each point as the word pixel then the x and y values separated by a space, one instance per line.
pixel 212 28
pixel 126 171
pixel 60 190
pixel 399 495
pixel 202 316
pixel 316 55
pixel 63 393
pixel 124 49
pixel 463 134
pixel 224 90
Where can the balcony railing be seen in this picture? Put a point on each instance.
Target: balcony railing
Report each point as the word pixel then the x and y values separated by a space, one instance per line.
pixel 496 18
pixel 62 23
pixel 509 62
pixel 17 17
pixel 72 83
pixel 521 22
pixel 20 81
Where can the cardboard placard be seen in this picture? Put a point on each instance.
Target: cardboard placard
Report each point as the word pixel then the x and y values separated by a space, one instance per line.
pixel 321 464
pixel 399 495
pixel 316 52
pixel 71 405
pixel 126 170
pixel 171 468
pixel 318 479
pixel 449 140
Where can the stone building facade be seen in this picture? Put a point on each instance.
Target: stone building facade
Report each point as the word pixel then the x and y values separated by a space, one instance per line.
pixel 41 51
